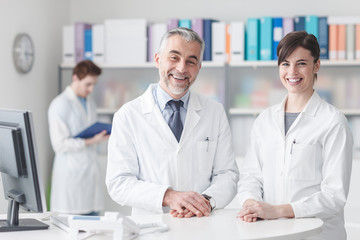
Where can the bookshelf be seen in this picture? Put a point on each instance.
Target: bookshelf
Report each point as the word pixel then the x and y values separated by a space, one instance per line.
pixel 237 12
pixel 273 63
pixel 236 85
pixel 257 111
pixel 255 85
pixel 338 82
pixel 120 83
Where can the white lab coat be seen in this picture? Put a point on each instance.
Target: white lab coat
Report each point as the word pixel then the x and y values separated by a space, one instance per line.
pixel 76 181
pixel 312 174
pixel 144 157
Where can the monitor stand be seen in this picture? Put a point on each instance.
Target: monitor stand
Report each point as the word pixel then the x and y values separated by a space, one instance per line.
pixel 13 223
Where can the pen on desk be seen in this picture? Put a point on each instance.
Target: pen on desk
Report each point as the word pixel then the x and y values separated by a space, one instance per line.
pixel 207 143
pixel 291 149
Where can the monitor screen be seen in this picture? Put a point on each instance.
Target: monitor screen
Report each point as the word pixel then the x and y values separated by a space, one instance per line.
pixel 19 169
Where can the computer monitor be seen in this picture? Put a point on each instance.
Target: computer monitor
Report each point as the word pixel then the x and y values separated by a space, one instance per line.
pixel 19 169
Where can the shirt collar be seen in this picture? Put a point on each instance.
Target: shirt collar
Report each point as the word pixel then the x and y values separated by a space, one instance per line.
pixel 82 99
pixel 163 97
pixel 310 108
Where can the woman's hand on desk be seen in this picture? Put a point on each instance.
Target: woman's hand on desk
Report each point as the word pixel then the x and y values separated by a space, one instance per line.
pixel 247 218
pixel 256 209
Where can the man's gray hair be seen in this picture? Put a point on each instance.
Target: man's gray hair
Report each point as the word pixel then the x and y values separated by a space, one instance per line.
pixel 187 34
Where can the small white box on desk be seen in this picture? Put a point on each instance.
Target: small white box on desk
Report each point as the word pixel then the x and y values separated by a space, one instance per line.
pixel 111 221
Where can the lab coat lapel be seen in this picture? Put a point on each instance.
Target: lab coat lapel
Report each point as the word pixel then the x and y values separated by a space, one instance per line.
pixel 192 118
pixel 71 95
pixel 313 105
pixel 280 111
pixel 155 118
pixel 90 115
pixel 309 110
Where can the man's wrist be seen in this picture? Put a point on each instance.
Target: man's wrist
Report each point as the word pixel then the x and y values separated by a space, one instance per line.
pixel 211 201
pixel 286 211
pixel 166 198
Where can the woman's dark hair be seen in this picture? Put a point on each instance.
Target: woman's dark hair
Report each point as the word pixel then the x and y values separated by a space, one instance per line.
pixel 297 39
pixel 86 67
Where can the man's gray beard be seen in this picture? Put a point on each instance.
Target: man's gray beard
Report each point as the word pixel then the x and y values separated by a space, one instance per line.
pixel 177 90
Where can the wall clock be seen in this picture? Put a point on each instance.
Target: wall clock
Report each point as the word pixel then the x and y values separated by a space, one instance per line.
pixel 23 53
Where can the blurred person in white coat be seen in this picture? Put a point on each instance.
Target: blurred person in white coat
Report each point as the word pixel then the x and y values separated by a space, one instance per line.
pixel 300 160
pixel 76 181
pixel 156 165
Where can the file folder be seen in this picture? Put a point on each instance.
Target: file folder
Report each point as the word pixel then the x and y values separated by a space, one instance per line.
pixel 94 129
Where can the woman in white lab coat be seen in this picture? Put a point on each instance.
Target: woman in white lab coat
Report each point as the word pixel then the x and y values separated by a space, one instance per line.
pixel 76 182
pixel 300 159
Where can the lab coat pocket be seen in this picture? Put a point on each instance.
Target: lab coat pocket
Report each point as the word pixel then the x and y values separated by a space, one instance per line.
pixel 205 155
pixel 303 162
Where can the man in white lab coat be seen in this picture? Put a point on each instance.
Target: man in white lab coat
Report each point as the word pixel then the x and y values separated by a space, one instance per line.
pixel 178 156
pixel 76 179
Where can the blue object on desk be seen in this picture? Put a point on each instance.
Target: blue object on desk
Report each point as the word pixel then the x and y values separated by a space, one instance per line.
pixel 94 129
pixel 96 218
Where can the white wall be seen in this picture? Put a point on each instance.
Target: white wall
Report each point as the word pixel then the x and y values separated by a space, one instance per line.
pixel 227 10
pixel 42 20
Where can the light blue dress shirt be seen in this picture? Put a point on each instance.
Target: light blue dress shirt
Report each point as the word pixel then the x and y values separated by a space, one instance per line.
pixel 83 102
pixel 161 98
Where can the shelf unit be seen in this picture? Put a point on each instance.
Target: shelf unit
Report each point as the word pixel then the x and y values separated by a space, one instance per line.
pixel 224 82
pixel 257 111
pixel 214 71
pixel 271 67
pixel 273 63
pixel 140 65
pixel 338 81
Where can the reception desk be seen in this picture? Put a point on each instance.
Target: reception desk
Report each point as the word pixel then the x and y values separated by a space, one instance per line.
pixel 222 224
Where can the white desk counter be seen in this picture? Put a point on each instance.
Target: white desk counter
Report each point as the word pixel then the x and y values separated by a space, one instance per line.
pixel 222 224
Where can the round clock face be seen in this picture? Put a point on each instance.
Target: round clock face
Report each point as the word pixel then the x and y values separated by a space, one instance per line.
pixel 23 53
